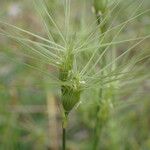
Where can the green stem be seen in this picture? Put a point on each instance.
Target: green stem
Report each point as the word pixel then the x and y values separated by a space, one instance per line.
pixel 98 124
pixel 64 126
pixel 96 132
pixel 99 121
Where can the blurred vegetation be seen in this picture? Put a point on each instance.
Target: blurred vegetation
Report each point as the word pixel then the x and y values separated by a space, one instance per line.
pixel 29 116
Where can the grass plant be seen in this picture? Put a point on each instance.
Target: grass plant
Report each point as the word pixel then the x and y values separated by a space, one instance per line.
pixel 84 60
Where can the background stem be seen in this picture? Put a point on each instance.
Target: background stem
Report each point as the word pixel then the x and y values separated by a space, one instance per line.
pixel 97 131
pixel 99 122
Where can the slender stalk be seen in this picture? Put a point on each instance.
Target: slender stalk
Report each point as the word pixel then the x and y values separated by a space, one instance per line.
pixel 64 126
pixel 100 121
pixel 97 131
pixel 98 124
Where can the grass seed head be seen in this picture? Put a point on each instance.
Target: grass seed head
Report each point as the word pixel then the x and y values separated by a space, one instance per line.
pixel 71 93
pixel 100 6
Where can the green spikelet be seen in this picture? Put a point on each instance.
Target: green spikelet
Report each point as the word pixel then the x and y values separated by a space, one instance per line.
pixel 100 6
pixel 101 9
pixel 70 93
pixel 66 66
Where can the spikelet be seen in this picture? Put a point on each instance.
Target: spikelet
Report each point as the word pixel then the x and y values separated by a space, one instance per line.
pixel 70 93
pixel 100 6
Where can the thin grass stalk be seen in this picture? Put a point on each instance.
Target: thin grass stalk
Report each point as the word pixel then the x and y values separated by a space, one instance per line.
pixel 64 126
pixel 100 10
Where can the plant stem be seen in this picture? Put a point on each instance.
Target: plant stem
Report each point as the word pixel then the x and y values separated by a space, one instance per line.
pixel 99 120
pixel 97 131
pixel 64 126
pixel 98 124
